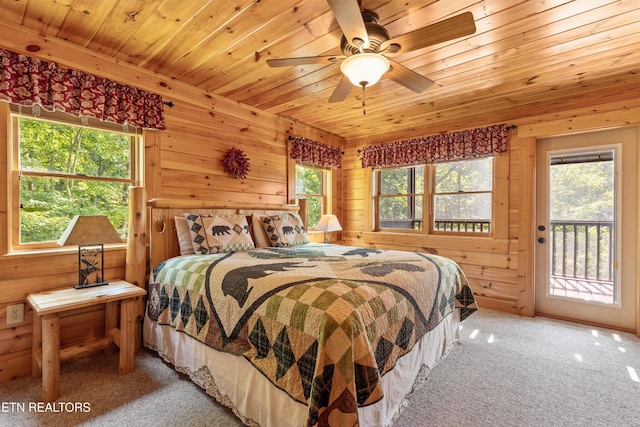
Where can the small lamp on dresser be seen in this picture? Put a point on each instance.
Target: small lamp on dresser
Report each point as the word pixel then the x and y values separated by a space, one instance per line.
pixel 90 233
pixel 328 224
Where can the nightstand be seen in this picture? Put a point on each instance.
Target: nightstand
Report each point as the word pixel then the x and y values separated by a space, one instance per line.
pixel 46 352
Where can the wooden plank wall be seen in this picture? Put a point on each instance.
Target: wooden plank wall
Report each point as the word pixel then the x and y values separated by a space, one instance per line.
pixel 490 264
pixel 184 161
pixel 500 268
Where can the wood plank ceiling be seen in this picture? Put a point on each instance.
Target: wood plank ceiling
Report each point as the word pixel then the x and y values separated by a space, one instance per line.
pixel 526 58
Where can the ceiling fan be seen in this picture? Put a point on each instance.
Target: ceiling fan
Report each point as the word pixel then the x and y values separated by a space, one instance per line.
pixel 368 49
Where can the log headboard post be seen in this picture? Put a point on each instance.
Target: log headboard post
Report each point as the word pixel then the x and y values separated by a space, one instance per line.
pixel 303 212
pixel 162 232
pixel 136 257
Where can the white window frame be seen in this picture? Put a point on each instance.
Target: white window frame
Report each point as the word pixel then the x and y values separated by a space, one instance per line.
pixel 325 194
pixel 428 203
pixel 15 172
pixel 433 194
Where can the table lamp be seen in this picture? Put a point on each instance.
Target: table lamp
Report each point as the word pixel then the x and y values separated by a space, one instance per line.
pixel 90 233
pixel 328 224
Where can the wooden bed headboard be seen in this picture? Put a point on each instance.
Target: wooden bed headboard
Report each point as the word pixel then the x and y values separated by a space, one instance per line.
pixel 162 236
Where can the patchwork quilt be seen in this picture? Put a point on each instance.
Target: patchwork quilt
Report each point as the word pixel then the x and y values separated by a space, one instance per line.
pixel 323 322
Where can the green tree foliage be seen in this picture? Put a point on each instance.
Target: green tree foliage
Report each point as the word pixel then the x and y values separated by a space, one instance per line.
pixel 309 186
pixel 582 191
pixel 395 183
pixel 68 159
pixel 463 190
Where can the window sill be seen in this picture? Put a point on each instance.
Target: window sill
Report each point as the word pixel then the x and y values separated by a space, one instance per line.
pixel 400 230
pixel 425 233
pixel 417 241
pixel 18 253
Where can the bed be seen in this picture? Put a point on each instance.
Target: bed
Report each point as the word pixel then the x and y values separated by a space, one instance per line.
pixel 287 332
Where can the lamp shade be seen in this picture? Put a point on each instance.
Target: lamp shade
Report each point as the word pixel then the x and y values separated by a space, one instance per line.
pixel 364 69
pixel 89 230
pixel 328 223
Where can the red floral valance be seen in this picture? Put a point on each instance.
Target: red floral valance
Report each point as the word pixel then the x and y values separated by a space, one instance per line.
pixel 28 81
pixel 467 144
pixel 315 153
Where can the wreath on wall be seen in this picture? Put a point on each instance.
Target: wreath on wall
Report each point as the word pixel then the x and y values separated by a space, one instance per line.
pixel 236 163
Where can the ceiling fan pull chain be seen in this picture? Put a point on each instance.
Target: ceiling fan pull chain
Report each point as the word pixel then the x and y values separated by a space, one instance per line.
pixel 364 108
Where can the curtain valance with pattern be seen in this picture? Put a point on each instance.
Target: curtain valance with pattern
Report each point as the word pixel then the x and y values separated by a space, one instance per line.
pixel 31 81
pixel 315 153
pixel 468 144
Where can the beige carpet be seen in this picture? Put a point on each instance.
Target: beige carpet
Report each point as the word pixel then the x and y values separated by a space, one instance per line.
pixel 509 371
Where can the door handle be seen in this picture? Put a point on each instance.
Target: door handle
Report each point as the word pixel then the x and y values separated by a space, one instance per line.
pixel 541 240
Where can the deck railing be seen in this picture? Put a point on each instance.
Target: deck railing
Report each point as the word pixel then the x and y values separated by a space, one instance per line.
pixel 464 225
pixel 467 225
pixel 582 250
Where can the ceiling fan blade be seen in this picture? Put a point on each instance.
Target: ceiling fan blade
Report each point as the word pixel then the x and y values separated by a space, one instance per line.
pixel 342 90
pixel 448 29
pixel 349 17
pixel 408 78
pixel 303 60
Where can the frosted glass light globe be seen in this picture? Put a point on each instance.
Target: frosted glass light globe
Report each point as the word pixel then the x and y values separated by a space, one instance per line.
pixel 364 69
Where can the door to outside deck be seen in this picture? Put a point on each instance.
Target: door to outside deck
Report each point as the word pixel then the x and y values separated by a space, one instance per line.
pixel 586 227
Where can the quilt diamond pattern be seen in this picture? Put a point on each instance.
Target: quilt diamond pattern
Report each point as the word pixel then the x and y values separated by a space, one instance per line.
pixel 322 322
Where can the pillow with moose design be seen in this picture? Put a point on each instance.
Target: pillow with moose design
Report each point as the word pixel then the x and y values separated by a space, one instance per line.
pixel 285 229
pixel 219 233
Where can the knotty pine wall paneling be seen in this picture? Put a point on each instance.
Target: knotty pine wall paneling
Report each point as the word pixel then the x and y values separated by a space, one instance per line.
pixel 499 268
pixel 182 161
pixel 490 263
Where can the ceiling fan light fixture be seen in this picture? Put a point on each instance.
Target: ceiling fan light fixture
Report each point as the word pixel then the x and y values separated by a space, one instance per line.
pixel 364 69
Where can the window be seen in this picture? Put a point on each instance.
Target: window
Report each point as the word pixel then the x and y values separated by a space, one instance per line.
pixel 400 197
pixel 462 195
pixel 460 199
pixel 64 167
pixel 311 184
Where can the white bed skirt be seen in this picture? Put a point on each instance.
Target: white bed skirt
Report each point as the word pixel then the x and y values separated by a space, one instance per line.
pixel 235 383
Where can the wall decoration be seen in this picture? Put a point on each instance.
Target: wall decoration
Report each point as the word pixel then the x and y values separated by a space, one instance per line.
pixel 236 163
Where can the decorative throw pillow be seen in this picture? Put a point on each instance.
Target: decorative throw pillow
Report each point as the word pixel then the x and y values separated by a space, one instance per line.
pixel 184 235
pixel 260 237
pixel 285 229
pixel 219 233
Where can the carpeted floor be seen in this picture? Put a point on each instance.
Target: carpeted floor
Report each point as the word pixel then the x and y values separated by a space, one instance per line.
pixel 509 371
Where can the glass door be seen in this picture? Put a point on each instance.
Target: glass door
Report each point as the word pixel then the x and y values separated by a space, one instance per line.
pixel 584 231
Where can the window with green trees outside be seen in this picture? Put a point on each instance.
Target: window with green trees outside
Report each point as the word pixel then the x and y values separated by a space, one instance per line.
pixel 63 169
pixel 462 195
pixel 310 185
pixel 451 196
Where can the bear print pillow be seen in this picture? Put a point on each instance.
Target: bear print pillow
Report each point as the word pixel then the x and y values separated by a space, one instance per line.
pixel 212 234
pixel 285 229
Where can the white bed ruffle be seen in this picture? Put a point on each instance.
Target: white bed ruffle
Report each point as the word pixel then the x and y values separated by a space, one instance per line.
pixel 235 383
